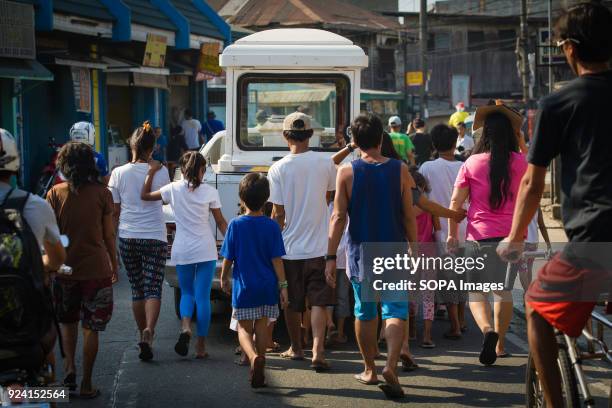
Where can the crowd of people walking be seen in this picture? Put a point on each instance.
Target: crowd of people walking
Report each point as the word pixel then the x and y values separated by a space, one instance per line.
pixel 437 192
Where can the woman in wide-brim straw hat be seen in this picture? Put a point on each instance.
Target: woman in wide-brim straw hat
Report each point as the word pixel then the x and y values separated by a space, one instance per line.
pixel 489 180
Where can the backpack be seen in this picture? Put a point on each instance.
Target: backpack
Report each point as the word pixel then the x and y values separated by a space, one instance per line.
pixel 26 307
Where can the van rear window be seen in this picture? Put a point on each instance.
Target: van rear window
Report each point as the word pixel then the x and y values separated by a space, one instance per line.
pixel 265 99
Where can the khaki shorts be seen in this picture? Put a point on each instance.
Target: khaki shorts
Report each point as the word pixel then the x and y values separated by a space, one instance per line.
pixel 306 279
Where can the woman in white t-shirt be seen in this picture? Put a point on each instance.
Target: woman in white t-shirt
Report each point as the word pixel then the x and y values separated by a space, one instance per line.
pixel 194 250
pixel 142 235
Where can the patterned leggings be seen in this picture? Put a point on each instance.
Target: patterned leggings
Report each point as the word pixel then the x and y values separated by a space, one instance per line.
pixel 425 297
pixel 144 260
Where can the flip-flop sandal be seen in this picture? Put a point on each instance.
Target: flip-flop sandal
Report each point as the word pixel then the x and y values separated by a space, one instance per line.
pixel 182 345
pixel 202 356
pixel 360 380
pixel 408 363
pixel 504 355
pixel 70 382
pixel 392 391
pixel 488 354
pixel 89 395
pixel 452 336
pixel 275 349
pixel 428 345
pixel 146 354
pixel 238 351
pixel 320 366
pixel 258 379
pixel 289 356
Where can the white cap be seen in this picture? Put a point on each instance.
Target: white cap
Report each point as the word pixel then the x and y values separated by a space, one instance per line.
pixel 9 155
pixel 395 121
pixel 84 132
pixel 290 122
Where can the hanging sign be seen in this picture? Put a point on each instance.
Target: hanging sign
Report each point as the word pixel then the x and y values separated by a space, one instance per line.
pixel 155 51
pixel 81 84
pixel 208 64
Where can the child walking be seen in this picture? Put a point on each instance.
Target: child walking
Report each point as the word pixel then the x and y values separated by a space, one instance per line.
pixel 194 250
pixel 254 246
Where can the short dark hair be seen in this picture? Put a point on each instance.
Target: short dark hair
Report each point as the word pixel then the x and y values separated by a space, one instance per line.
pixel 461 125
pixel 254 191
pixel 444 137
pixel 367 131
pixel 211 114
pixel 298 135
pixel 591 25
pixel 188 113
pixel 418 123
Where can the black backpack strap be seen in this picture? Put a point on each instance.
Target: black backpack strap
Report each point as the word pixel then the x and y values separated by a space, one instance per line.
pixel 6 198
pixel 15 203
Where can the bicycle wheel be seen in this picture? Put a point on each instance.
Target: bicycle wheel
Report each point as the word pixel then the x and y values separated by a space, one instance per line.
pixel 534 392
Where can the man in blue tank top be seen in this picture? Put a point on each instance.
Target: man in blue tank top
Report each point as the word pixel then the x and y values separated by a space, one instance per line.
pixel 375 192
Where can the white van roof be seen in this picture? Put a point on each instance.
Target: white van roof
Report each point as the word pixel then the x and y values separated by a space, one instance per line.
pixel 294 48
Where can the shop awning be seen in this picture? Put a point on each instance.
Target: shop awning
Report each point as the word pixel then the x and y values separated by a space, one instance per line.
pixel 71 60
pixel 282 98
pixel 374 94
pixel 24 69
pixel 116 65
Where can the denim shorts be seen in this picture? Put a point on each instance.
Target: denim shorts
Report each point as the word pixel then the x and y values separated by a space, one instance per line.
pixel 365 311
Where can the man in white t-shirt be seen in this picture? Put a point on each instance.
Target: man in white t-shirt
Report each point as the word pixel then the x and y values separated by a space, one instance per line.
pixel 465 143
pixel 192 131
pixel 299 187
pixel 441 174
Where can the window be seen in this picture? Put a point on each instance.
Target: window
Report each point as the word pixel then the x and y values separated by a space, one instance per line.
pixel 507 39
pixel 438 41
pixel 264 100
pixel 476 40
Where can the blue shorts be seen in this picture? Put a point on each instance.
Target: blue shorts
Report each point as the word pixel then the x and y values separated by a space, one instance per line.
pixel 365 311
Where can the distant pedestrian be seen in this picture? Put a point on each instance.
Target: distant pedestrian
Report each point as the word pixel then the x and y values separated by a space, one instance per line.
pixel 402 143
pixel 254 246
pixel 421 140
pixel 192 131
pixel 85 132
pixel 465 143
pixel 441 174
pixel 176 142
pixel 83 207
pixel 194 249
pixel 489 180
pixel 300 184
pixel 212 126
pixel 459 116
pixel 376 193
pixel 142 235
pixel 161 142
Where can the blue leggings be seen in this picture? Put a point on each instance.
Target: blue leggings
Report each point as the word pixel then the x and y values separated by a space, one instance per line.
pixel 195 281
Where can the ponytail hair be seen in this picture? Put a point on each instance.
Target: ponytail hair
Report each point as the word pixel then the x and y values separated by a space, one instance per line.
pixel 142 141
pixel 191 163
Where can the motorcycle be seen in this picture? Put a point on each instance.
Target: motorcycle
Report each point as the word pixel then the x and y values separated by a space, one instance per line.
pixel 50 174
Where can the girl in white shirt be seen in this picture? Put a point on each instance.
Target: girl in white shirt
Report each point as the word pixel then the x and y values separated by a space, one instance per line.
pixel 194 251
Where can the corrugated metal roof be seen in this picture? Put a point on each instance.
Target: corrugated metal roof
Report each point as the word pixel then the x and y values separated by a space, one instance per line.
pixel 145 13
pixel 198 22
pixel 329 13
pixel 86 8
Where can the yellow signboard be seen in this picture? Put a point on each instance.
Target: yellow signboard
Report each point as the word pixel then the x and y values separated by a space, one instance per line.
pixel 155 51
pixel 208 64
pixel 414 78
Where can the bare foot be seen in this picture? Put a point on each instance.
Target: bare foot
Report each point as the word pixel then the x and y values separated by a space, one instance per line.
pixel 390 376
pixel 367 378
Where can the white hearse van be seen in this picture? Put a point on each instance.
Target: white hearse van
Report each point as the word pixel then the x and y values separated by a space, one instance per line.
pixel 269 75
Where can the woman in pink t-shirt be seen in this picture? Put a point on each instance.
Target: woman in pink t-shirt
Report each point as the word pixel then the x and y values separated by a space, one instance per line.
pixel 489 180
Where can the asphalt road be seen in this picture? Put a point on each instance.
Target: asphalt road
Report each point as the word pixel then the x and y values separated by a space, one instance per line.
pixel 449 375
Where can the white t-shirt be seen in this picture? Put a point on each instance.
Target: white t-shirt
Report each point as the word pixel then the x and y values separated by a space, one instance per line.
pixel 299 182
pixel 533 236
pixel 441 175
pixel 191 129
pixel 467 142
pixel 194 240
pixel 38 214
pixel 139 219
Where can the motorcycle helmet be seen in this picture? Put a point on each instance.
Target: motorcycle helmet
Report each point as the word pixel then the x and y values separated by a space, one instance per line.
pixel 9 155
pixel 84 132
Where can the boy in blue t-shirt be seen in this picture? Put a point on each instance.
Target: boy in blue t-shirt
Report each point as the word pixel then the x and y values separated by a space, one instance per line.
pixel 254 246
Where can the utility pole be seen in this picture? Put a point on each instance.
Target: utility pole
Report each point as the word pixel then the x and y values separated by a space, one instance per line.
pixel 423 52
pixel 523 53
pixel 551 85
